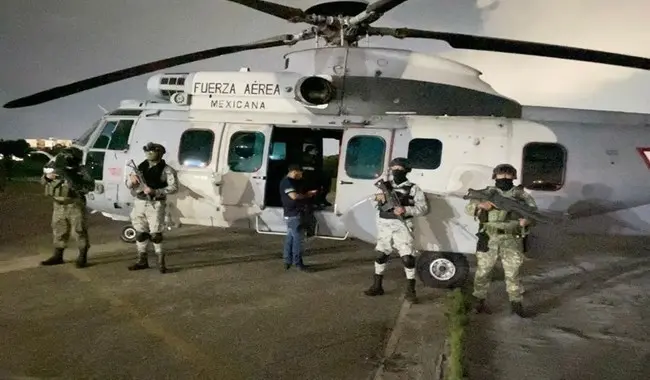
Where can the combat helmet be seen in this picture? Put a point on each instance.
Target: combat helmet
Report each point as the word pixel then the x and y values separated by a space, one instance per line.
pixel 504 169
pixel 153 147
pixel 400 161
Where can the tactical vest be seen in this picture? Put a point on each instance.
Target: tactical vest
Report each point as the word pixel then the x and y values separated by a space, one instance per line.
pixel 61 191
pixel 405 199
pixel 153 175
pixel 500 216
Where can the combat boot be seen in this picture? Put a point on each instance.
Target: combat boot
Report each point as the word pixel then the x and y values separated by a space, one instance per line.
pixel 161 264
pixel 481 307
pixel 410 291
pixel 142 262
pixel 82 259
pixel 517 308
pixel 55 259
pixel 376 289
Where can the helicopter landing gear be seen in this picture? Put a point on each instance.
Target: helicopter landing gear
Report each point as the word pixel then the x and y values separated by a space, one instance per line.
pixel 128 234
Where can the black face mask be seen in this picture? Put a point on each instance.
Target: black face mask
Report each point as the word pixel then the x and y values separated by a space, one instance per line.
pixel 504 184
pixel 399 176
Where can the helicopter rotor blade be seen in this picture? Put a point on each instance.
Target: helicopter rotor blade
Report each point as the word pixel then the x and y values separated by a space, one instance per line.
pixel 375 10
pixel 501 45
pixel 115 76
pixel 290 14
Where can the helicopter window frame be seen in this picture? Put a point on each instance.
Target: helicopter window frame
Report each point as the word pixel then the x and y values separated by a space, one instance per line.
pixel 380 167
pixel 258 155
pixel 419 160
pixel 530 168
pixel 114 124
pixel 182 160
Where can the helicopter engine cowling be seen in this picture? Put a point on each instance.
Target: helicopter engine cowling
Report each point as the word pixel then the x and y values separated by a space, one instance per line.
pixel 315 90
pixel 163 86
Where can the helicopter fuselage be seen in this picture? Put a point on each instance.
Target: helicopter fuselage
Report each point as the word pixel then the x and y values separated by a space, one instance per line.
pixel 231 137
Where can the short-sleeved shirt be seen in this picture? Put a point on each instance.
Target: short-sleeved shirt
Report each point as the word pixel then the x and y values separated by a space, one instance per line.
pixel 291 207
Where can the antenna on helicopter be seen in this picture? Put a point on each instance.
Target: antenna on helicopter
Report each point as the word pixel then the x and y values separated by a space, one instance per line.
pixel 102 108
pixel 338 23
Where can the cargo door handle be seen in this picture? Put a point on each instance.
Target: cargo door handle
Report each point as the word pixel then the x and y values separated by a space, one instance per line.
pixel 346 182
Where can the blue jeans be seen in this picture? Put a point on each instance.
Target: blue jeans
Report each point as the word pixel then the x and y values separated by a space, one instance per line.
pixel 293 241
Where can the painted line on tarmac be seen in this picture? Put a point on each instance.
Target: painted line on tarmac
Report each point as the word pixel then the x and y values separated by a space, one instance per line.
pixel 190 352
pixel 393 339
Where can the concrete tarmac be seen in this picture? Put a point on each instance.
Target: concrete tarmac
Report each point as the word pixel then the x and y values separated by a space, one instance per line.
pixel 227 310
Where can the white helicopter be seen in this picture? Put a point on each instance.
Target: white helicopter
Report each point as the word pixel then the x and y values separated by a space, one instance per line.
pixel 232 135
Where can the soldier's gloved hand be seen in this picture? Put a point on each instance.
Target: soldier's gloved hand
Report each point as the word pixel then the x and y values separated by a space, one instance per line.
pixel 524 222
pixel 50 176
pixel 380 198
pixel 485 206
pixel 134 179
pixel 399 211
pixel 147 190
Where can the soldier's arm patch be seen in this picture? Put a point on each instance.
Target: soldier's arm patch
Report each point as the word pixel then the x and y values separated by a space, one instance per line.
pixel 420 206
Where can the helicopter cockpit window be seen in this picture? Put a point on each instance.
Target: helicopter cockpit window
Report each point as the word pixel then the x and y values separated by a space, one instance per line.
pixel 83 139
pixel 246 152
pixel 195 149
pixel 544 166
pixel 425 153
pixel 114 135
pixel 364 157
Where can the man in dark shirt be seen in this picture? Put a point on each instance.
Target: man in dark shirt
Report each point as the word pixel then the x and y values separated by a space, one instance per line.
pixel 294 203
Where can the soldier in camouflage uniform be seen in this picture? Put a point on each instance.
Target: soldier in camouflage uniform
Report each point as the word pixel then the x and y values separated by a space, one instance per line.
pixel 149 206
pixel 68 182
pixel 505 240
pixel 393 233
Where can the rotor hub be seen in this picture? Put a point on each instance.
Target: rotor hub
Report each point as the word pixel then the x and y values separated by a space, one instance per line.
pixel 338 8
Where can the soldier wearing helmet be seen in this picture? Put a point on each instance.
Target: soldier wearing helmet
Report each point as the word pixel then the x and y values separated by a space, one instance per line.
pixel 67 182
pixel 505 240
pixel 393 233
pixel 148 214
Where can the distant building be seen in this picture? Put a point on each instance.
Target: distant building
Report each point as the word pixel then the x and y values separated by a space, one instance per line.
pixel 47 143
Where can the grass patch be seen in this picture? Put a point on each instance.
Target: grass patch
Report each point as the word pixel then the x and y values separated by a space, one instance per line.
pixel 457 318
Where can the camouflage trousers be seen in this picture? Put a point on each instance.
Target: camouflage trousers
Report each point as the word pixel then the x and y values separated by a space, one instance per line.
pixel 148 217
pixel 67 218
pixel 510 250
pixel 392 234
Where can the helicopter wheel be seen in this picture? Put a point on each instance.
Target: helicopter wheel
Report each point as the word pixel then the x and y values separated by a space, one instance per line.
pixel 128 234
pixel 442 269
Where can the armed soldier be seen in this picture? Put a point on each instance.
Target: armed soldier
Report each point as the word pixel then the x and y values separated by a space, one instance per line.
pixel 148 215
pixel 394 227
pixel 67 181
pixel 505 232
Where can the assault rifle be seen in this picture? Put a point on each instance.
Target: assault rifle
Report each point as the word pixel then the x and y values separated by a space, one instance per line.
pixel 139 176
pixel 520 209
pixel 391 200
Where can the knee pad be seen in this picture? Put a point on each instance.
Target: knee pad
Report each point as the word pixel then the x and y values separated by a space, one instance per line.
pixel 408 261
pixel 157 237
pixel 142 236
pixel 382 258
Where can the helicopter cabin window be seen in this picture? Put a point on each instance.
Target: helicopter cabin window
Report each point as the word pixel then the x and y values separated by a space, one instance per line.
pixel 278 151
pixel 195 148
pixel 425 153
pixel 364 157
pixel 544 166
pixel 95 164
pixel 114 135
pixel 246 152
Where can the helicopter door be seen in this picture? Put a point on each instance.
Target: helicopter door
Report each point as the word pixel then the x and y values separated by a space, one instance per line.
pixel 244 161
pixel 363 160
pixel 112 145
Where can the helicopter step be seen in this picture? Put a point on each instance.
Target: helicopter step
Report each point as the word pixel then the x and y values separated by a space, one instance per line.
pixel 327 224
